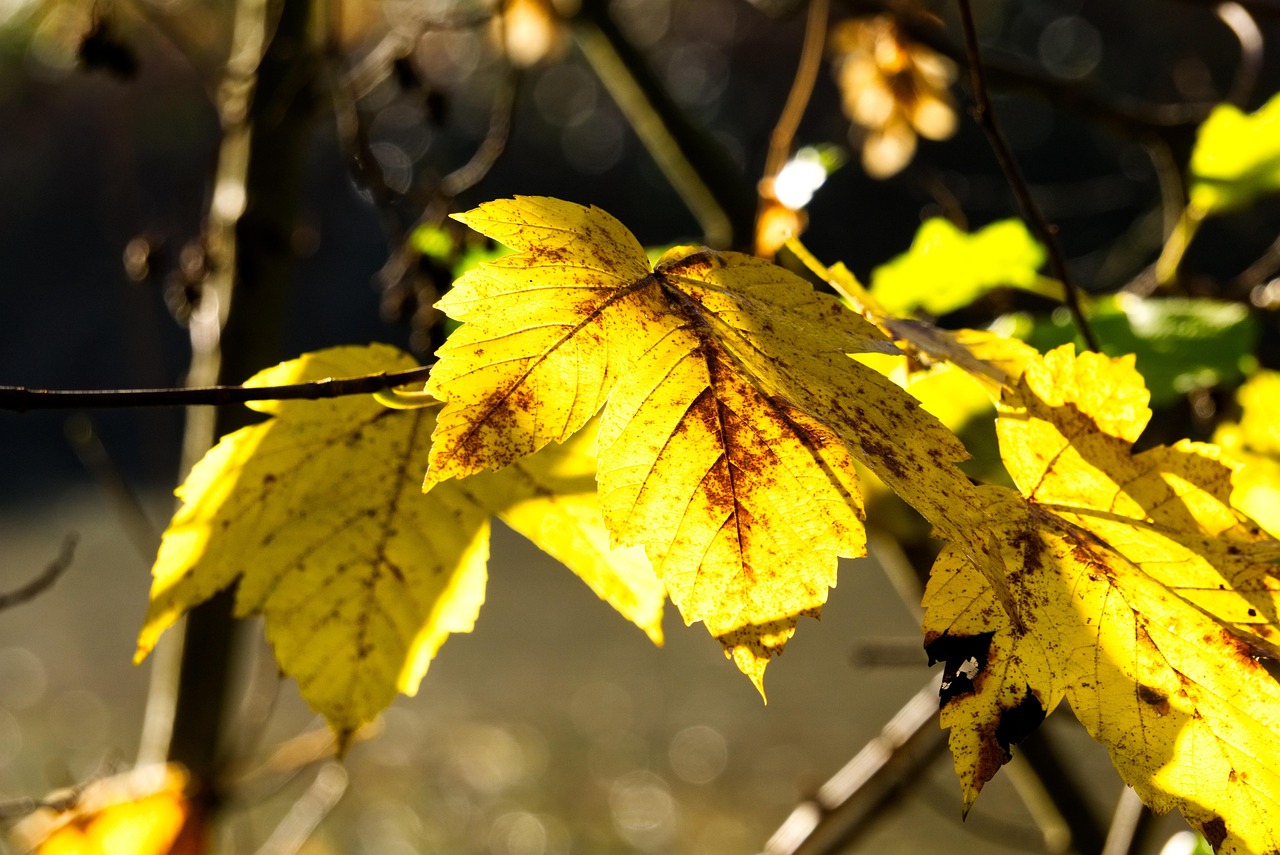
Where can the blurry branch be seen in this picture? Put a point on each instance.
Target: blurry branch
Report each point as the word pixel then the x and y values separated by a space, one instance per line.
pixel 984 113
pixel 307 812
pixel 697 167
pixel 1266 267
pixel 1130 820
pixel 1249 35
pixel 780 141
pixel 47 577
pixel 397 44
pixel 784 132
pixel 843 807
pixel 1128 117
pixel 93 455
pixel 23 399
pixel 501 115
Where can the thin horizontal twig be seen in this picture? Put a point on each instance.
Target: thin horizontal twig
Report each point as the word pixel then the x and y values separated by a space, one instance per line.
pixel 22 399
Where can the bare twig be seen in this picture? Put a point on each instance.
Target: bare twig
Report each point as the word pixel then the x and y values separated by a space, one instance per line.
pixel 1126 824
pixel 307 812
pixel 23 399
pixel 93 455
pixel 501 113
pixel 691 159
pixel 841 807
pixel 47 577
pixel 1247 32
pixel 815 32
pixel 984 114
pixel 1128 117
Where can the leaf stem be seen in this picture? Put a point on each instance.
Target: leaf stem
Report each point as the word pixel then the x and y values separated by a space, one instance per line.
pixel 984 114
pixel 22 399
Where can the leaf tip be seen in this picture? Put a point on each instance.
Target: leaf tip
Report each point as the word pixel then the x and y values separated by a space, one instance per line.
pixel 751 665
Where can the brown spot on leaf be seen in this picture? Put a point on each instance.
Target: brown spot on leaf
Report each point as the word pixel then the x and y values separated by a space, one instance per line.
pixel 1154 698
pixel 1214 831
pixel 1019 722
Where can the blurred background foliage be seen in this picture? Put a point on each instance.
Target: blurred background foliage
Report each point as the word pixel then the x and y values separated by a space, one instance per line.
pixel 555 729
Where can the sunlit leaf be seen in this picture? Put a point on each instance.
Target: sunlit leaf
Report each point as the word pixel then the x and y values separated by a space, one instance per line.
pixel 318 514
pixel 141 812
pixel 947 269
pixel 550 498
pixel 1236 157
pixel 1255 442
pixel 1146 598
pixel 1181 344
pixel 731 413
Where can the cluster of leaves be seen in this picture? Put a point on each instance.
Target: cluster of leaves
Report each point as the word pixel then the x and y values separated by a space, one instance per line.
pixel 689 429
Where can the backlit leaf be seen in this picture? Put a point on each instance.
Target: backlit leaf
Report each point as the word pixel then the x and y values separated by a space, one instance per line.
pixel 731 413
pixel 1180 344
pixel 1147 597
pixel 550 498
pixel 360 576
pixel 1236 157
pixel 1255 442
pixel 947 269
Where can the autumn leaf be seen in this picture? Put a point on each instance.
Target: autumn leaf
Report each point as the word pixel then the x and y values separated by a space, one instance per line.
pixel 731 412
pixel 318 514
pixel 1255 441
pixel 550 498
pixel 143 811
pixel 1148 597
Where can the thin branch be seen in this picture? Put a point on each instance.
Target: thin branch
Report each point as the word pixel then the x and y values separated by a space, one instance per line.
pixel 22 399
pixel 1128 117
pixel 1247 32
pixel 47 577
pixel 815 32
pixel 501 116
pixel 984 114
pixel 693 161
pixel 844 806
pixel 1127 824
pixel 88 447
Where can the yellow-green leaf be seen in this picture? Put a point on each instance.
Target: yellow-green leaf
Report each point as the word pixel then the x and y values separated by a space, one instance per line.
pixel 947 269
pixel 1255 442
pixel 550 498
pixel 1066 435
pixel 1188 714
pixel 732 416
pixel 319 515
pixel 1145 597
pixel 1236 157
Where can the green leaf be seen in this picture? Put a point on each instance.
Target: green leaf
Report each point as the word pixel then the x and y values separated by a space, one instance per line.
pixel 433 242
pixel 947 269
pixel 1236 157
pixel 1181 344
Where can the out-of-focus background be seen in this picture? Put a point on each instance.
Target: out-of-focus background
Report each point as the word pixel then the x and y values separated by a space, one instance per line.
pixel 555 728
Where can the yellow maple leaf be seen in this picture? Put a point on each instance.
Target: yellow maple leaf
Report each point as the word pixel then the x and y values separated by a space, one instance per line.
pixel 319 515
pixel 1147 598
pixel 1255 442
pixel 733 411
